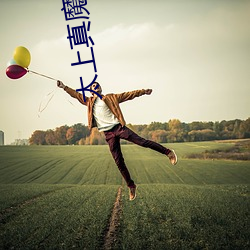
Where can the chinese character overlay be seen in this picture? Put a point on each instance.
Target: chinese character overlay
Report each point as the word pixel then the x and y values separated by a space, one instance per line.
pixel 73 9
pixel 77 35
pixel 86 88
pixel 84 62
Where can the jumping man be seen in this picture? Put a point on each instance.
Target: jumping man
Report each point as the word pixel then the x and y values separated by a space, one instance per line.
pixel 105 114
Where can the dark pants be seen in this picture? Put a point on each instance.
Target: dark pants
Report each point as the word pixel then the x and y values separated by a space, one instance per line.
pixel 113 137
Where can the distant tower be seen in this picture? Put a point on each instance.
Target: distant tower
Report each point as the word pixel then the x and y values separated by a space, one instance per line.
pixel 1 138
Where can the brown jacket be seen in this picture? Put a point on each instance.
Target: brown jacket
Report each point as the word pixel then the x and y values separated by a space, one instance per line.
pixel 111 100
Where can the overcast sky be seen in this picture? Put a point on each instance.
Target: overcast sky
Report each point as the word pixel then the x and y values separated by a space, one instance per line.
pixel 195 55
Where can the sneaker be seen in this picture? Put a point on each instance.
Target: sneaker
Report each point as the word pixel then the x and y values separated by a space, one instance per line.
pixel 132 193
pixel 172 157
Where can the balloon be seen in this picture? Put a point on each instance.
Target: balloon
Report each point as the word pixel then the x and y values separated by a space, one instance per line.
pixel 15 71
pixel 11 62
pixel 22 56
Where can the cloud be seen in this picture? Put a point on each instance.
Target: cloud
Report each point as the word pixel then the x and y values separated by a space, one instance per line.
pixel 123 42
pixel 122 33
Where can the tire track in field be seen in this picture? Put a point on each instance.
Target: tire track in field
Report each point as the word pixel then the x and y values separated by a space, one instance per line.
pixel 94 175
pixel 195 178
pixel 176 175
pixel 67 172
pixel 6 214
pixel 46 166
pixel 12 164
pixel 112 228
pixel 48 169
pixel 84 181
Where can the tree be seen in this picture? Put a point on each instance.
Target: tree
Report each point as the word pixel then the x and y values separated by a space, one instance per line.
pixel 145 133
pixel 185 130
pixel 38 138
pixel 76 133
pixel 202 135
pixel 217 129
pixel 50 137
pixel 60 134
pixel 245 129
pixel 196 126
pixel 175 133
pixel 96 137
pixel 159 135
pixel 70 136
pixel 236 128
pixel 157 125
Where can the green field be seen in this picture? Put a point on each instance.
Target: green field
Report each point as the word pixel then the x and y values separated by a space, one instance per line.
pixel 62 197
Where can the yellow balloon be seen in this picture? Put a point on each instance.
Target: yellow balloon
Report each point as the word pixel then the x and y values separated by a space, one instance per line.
pixel 22 56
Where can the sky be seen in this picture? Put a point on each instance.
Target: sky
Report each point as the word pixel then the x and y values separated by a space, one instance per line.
pixel 194 54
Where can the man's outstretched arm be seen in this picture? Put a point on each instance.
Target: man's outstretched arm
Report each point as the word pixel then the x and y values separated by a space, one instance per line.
pixel 72 93
pixel 132 94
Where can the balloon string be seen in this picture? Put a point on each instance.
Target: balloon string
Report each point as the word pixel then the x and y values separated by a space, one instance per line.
pixel 51 78
pixel 50 96
pixel 71 103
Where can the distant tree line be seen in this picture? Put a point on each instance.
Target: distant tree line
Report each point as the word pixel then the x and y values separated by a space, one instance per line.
pixel 238 151
pixel 172 131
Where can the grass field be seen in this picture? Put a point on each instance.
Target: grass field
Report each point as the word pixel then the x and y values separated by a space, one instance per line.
pixel 62 197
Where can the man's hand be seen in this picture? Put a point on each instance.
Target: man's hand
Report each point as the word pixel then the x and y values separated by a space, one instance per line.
pixel 148 91
pixel 60 84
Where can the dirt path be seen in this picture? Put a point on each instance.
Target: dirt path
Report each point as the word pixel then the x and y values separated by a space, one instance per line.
pixel 111 235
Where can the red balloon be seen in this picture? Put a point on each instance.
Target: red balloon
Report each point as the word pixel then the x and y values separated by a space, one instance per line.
pixel 15 71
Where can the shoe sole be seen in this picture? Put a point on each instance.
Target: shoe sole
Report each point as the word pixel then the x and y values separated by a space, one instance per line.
pixel 135 194
pixel 132 199
pixel 175 158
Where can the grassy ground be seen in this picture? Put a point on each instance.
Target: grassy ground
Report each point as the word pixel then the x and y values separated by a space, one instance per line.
pixel 61 197
pixel 63 218
pixel 187 217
